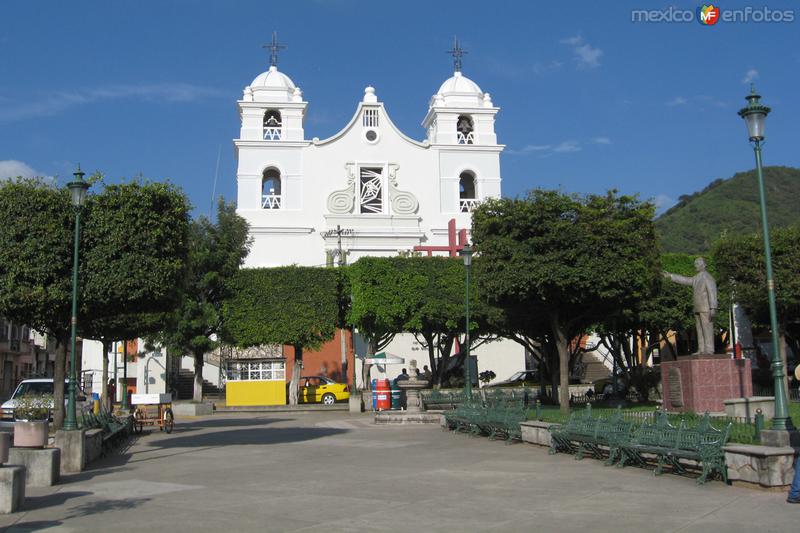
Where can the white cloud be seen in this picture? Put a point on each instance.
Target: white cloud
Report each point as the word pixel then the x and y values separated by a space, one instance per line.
pixel 601 140
pixel 663 202
pixel 750 76
pixel 567 147
pixel 55 103
pixel 546 150
pixel 678 100
pixel 586 55
pixel 573 41
pixel 11 168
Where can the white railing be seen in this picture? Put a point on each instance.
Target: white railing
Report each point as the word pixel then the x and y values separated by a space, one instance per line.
pixel 271 201
pixel 466 205
pixel 469 138
pixel 272 134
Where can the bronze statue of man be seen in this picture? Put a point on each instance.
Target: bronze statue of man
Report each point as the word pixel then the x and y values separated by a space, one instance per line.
pixel 704 289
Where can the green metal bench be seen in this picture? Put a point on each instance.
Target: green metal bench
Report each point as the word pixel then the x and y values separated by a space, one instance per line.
pixel 671 445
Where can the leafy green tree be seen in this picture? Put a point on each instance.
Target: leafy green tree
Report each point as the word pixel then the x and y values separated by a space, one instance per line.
pixel 569 259
pixel 383 296
pixel 295 306
pixel 36 230
pixel 216 251
pixel 135 249
pixel 742 272
pixel 437 317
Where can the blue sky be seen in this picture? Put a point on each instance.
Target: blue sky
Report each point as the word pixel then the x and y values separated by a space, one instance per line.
pixel 590 100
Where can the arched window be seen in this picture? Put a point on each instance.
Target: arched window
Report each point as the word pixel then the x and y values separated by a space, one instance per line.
pixel 271 189
pixel 465 130
pixel 466 195
pixel 272 125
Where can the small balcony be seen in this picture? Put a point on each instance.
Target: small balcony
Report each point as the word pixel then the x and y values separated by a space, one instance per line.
pixel 466 138
pixel 272 134
pixel 466 205
pixel 271 201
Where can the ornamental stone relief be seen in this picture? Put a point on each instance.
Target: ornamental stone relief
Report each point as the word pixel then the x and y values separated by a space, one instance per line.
pixel 344 201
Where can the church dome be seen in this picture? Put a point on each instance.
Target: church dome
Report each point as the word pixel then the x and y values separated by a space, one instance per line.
pixel 273 79
pixel 459 84
pixel 458 91
pixel 274 86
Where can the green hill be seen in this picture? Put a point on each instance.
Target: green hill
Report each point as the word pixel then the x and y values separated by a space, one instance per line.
pixel 731 205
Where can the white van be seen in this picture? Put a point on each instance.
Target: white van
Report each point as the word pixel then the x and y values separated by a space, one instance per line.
pixel 39 387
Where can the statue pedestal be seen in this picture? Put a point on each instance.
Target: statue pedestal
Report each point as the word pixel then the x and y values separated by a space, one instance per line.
pixel 703 382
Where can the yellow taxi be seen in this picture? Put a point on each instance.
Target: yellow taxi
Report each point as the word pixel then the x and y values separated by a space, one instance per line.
pixel 320 389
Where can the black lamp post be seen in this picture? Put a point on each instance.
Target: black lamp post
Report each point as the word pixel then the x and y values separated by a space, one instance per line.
pixel 78 190
pixel 754 115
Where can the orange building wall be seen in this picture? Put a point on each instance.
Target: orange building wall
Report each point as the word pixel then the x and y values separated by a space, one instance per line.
pixel 326 361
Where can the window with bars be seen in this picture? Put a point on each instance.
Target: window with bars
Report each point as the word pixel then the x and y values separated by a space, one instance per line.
pixel 371 118
pixel 255 371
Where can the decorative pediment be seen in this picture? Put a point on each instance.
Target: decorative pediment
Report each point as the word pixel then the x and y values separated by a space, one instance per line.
pixel 366 192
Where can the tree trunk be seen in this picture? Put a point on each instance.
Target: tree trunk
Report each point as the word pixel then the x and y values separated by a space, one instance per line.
pixel 104 379
pixel 197 395
pixel 294 384
pixel 59 375
pixel 563 363
pixel 366 368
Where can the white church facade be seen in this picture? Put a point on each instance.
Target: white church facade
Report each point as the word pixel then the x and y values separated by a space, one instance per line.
pixel 370 185
pixel 389 191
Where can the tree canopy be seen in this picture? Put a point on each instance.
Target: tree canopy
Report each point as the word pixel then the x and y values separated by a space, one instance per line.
pixel 568 259
pixel 216 251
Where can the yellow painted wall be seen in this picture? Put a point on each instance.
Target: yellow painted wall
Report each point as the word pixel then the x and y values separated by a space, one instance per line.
pixel 255 393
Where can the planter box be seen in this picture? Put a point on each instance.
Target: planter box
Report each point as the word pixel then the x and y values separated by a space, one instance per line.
pixel 192 409
pixel 31 434
pixel 5 444
pixel 12 488
pixel 766 466
pixel 747 407
pixel 42 467
pixel 537 432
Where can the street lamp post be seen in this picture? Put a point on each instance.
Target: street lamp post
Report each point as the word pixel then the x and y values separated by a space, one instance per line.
pixel 754 115
pixel 77 189
pixel 466 253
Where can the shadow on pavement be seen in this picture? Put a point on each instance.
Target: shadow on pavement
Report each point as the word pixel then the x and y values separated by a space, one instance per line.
pixel 103 506
pixel 243 437
pixel 52 500
pixel 225 422
pixel 36 525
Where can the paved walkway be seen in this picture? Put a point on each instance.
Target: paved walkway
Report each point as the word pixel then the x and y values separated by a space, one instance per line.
pixel 335 472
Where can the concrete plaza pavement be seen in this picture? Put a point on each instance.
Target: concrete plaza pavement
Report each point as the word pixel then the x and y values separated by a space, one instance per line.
pixel 338 472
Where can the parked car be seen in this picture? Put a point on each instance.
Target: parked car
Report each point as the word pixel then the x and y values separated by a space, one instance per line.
pixel 525 378
pixel 39 387
pixel 320 389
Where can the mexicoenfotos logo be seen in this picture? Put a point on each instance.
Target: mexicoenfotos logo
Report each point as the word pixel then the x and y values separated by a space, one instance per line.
pixel 707 15
pixel 710 14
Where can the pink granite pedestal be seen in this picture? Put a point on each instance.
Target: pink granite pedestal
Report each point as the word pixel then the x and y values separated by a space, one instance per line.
pixel 702 383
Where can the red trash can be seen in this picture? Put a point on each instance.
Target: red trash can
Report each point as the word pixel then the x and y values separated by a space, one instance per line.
pixel 383 395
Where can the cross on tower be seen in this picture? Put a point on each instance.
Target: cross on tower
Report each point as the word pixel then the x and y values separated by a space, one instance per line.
pixel 457 52
pixel 274 47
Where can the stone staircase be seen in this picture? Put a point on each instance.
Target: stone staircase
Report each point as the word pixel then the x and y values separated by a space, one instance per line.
pixel 594 368
pixel 185 387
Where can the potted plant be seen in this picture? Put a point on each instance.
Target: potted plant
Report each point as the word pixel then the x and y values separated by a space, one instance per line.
pixel 32 415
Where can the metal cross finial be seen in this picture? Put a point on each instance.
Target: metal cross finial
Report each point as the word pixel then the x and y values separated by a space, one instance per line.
pixel 274 47
pixel 457 52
